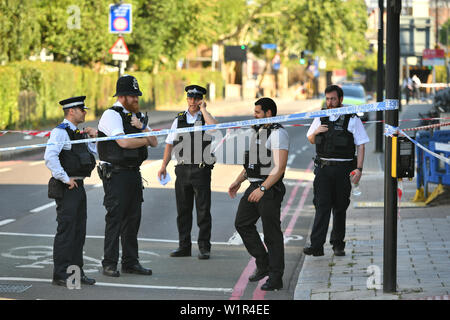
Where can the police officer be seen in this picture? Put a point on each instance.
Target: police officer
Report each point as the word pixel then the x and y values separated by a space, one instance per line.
pixel 70 164
pixel 264 167
pixel 193 171
pixel 121 177
pixel 335 138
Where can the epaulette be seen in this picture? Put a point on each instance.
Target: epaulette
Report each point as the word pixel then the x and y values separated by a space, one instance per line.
pixel 63 125
pixel 276 126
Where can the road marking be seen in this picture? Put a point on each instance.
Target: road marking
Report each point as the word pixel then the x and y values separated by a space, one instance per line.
pixel 6 221
pixel 36 163
pixel 291 159
pixel 5 169
pixel 125 285
pixel 40 235
pixel 305 147
pixel 45 206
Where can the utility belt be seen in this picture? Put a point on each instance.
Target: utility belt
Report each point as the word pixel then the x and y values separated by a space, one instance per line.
pixel 200 165
pixel 320 163
pixel 105 170
pixel 278 186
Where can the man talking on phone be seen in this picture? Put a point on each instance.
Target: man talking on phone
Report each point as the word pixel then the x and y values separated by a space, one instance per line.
pixel 193 173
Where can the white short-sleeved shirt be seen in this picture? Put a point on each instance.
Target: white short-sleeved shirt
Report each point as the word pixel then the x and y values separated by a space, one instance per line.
pixel 189 118
pixel 52 152
pixel 355 127
pixel 278 140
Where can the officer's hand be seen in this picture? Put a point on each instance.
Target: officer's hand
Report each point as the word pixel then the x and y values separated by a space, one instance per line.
pixel 202 104
pixel 72 183
pixel 162 172
pixel 135 122
pixel 321 129
pixel 355 176
pixel 91 132
pixel 233 189
pixel 255 196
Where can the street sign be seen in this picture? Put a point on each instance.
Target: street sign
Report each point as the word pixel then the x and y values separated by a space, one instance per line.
pixel 433 57
pixel 119 50
pixel 120 18
pixel 272 46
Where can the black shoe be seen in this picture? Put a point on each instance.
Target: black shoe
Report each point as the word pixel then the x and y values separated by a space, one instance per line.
pixel 339 252
pixel 137 269
pixel 272 285
pixel 258 275
pixel 86 280
pixel 204 255
pixel 181 252
pixel 59 282
pixel 311 251
pixel 111 271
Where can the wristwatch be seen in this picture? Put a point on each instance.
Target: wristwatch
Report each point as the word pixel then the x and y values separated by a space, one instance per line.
pixel 262 188
pixel 360 169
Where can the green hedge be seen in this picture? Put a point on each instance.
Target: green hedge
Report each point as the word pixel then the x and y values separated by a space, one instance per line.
pixel 30 91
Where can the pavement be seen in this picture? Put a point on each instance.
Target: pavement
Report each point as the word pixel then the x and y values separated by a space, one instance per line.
pixel 423 245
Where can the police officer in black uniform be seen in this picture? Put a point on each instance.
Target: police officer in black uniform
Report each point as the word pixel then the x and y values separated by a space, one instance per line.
pixel 70 164
pixel 193 171
pixel 336 139
pixel 264 167
pixel 122 182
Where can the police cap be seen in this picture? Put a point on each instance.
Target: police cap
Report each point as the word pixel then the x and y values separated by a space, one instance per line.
pixel 127 86
pixel 74 102
pixel 195 91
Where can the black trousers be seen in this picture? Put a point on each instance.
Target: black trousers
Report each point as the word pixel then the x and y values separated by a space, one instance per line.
pixel 123 202
pixel 71 215
pixel 268 209
pixel 192 183
pixel 332 188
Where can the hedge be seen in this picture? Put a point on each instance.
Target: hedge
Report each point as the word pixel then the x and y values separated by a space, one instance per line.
pixel 30 91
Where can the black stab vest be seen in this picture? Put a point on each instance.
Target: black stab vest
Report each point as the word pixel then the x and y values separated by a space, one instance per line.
pixel 111 152
pixel 78 161
pixel 337 142
pixel 194 139
pixel 254 165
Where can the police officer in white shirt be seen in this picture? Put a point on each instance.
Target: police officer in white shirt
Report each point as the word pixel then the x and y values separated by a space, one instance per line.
pixel 336 139
pixel 193 172
pixel 70 164
pixel 264 167
pixel 122 182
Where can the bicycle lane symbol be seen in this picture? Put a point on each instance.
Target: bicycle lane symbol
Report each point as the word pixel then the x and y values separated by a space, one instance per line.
pixel 39 257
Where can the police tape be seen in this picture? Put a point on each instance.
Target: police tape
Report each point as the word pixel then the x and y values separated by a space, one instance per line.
pixel 391 131
pixel 387 105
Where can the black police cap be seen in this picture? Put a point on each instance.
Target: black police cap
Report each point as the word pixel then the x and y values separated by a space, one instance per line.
pixel 74 102
pixel 195 91
pixel 127 86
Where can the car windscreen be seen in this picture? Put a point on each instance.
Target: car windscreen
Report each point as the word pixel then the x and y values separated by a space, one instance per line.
pixel 353 92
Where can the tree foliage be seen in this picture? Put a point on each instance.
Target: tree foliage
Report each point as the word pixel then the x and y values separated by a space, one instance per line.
pixel 165 30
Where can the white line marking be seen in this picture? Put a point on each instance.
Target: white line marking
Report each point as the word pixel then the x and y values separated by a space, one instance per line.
pixel 6 221
pixel 304 148
pixel 291 159
pixel 125 285
pixel 45 206
pixel 5 169
pixel 36 163
pixel 97 237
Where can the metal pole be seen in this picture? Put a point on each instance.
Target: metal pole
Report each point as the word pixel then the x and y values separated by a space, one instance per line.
pixel 380 76
pixel 390 180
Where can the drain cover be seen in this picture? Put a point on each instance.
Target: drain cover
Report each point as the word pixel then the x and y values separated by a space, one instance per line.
pixel 13 288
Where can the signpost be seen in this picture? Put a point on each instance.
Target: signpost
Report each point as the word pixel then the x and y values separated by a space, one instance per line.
pixel 433 57
pixel 120 22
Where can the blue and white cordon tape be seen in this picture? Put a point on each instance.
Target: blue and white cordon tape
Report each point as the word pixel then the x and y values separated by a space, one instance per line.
pixel 388 104
pixel 391 130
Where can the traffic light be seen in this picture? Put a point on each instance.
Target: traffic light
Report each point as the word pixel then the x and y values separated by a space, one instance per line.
pixel 302 57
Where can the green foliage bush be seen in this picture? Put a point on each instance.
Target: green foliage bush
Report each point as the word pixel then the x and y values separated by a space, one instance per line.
pixel 30 91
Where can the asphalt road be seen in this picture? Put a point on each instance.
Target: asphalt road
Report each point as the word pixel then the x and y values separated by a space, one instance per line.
pixel 28 225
